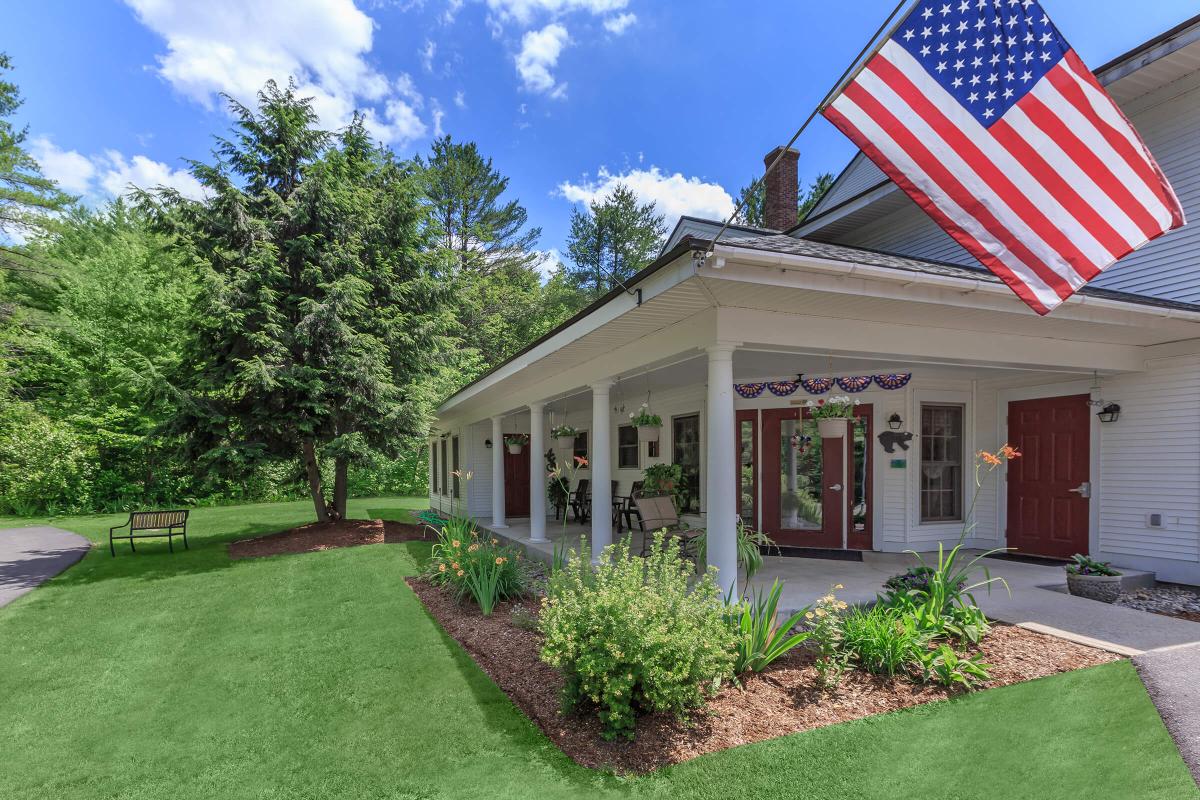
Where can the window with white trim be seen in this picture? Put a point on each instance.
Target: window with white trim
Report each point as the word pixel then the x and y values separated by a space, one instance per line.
pixel 627 447
pixel 941 486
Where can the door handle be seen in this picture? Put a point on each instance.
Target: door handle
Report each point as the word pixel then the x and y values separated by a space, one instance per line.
pixel 837 487
pixel 1084 490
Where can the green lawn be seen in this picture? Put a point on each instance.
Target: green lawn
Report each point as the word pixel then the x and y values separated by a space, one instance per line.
pixel 320 676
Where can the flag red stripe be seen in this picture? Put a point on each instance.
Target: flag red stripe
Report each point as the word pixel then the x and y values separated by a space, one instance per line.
pixel 1053 182
pixel 1070 90
pixel 1143 161
pixel 949 184
pixel 1087 160
pixel 969 243
pixel 985 168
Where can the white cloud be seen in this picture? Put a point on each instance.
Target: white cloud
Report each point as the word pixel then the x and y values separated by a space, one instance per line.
pixel 550 261
pixel 109 174
pixel 73 171
pixel 674 195
pixel 617 25
pixel 524 11
pixel 539 55
pixel 236 46
pixel 427 54
pixel 438 114
pixel 460 99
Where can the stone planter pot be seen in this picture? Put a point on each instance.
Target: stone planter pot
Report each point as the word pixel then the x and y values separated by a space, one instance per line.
pixel 515 449
pixel 565 442
pixel 648 433
pixel 832 427
pixel 1105 588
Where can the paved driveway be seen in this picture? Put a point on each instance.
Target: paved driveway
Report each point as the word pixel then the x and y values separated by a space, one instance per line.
pixel 1038 598
pixel 30 556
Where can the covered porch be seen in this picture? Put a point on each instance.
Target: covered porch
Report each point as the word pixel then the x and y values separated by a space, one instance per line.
pixel 728 348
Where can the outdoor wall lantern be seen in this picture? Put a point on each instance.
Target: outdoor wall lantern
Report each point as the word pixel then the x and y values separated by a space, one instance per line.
pixel 1109 413
pixel 894 422
pixel 487 443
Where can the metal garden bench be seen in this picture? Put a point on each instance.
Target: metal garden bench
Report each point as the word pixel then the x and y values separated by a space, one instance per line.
pixel 166 523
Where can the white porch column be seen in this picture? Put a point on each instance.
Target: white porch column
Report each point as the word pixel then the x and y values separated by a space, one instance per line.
pixel 600 461
pixel 498 473
pixel 721 490
pixel 537 472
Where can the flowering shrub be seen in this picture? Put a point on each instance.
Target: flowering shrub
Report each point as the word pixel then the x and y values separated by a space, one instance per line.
pixel 632 636
pixel 475 566
pixel 837 406
pixel 516 439
pixel 826 632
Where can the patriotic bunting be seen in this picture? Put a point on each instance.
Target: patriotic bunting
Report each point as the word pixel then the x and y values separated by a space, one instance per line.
pixel 848 383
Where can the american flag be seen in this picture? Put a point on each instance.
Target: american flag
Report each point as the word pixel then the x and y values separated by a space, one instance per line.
pixel 983 114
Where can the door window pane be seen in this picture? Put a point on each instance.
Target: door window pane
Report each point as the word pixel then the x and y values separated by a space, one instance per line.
pixel 444 482
pixel 685 451
pixel 627 447
pixel 800 476
pixel 746 467
pixel 862 468
pixel 941 463
pixel 454 462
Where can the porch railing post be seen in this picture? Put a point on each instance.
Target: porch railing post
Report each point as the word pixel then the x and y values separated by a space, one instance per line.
pixel 721 460
pixel 537 472
pixel 600 461
pixel 498 473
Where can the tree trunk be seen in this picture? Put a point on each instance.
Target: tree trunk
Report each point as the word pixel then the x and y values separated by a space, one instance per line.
pixel 340 489
pixel 313 470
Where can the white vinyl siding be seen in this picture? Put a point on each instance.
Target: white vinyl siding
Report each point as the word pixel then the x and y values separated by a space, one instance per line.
pixel 860 175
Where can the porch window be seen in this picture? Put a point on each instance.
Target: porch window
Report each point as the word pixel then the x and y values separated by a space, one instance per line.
pixel 444 483
pixel 941 463
pixel 627 447
pixel 685 451
pixel 581 445
pixel 454 461
pixel 433 472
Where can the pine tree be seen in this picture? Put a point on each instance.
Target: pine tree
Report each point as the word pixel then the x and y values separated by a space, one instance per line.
pixel 614 238
pixel 319 322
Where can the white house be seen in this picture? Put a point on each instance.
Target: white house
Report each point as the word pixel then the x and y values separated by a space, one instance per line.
pixel 726 343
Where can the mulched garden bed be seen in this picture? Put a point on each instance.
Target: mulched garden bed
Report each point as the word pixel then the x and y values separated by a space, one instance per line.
pixel 325 536
pixel 783 699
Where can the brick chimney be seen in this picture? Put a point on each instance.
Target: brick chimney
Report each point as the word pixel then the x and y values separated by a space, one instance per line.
pixel 781 190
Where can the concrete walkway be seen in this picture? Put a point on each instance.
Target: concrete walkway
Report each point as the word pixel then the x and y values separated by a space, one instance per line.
pixel 1172 678
pixel 1039 599
pixel 31 556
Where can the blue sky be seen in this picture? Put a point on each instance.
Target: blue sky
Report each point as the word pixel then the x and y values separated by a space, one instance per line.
pixel 680 100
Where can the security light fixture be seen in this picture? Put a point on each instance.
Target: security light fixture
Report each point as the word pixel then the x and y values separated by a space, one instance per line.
pixel 1109 413
pixel 894 422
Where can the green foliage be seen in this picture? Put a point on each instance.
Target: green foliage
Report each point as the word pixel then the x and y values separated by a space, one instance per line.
pixel 1083 565
pixel 636 635
pixel 948 667
pixel 44 466
pixel 883 640
pixel 319 320
pixel 825 621
pixel 611 240
pixel 475 566
pixel 762 639
pixel 749 548
pixel 663 479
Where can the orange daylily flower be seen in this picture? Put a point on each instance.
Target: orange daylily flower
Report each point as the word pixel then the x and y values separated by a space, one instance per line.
pixel 1008 451
pixel 581 461
pixel 989 458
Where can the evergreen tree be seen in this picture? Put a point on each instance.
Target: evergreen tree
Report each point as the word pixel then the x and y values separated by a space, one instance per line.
pixel 614 238
pixel 319 323
pixel 487 252
pixel 816 190
pixel 754 195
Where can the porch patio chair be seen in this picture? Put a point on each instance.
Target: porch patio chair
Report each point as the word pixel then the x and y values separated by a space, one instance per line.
pixel 624 518
pixel 656 513
pixel 581 501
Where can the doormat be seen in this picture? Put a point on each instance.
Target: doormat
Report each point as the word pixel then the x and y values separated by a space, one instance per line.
pixel 1027 559
pixel 812 552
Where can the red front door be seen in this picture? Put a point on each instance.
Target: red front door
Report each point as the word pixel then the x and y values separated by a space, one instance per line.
pixel 516 483
pixel 1048 486
pixel 809 484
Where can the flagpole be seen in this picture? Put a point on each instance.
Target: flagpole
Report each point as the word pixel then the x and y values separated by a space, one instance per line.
pixel 873 45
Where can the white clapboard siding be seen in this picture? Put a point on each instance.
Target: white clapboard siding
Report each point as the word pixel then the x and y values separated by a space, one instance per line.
pixel 1150 463
pixel 891 518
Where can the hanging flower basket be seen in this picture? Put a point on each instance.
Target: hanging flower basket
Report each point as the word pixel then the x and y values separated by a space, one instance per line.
pixel 832 427
pixel 648 425
pixel 515 443
pixel 564 437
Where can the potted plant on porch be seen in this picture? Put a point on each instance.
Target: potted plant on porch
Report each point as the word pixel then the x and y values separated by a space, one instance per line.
pixel 647 424
pixel 564 436
pixel 1087 577
pixel 515 442
pixel 832 414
